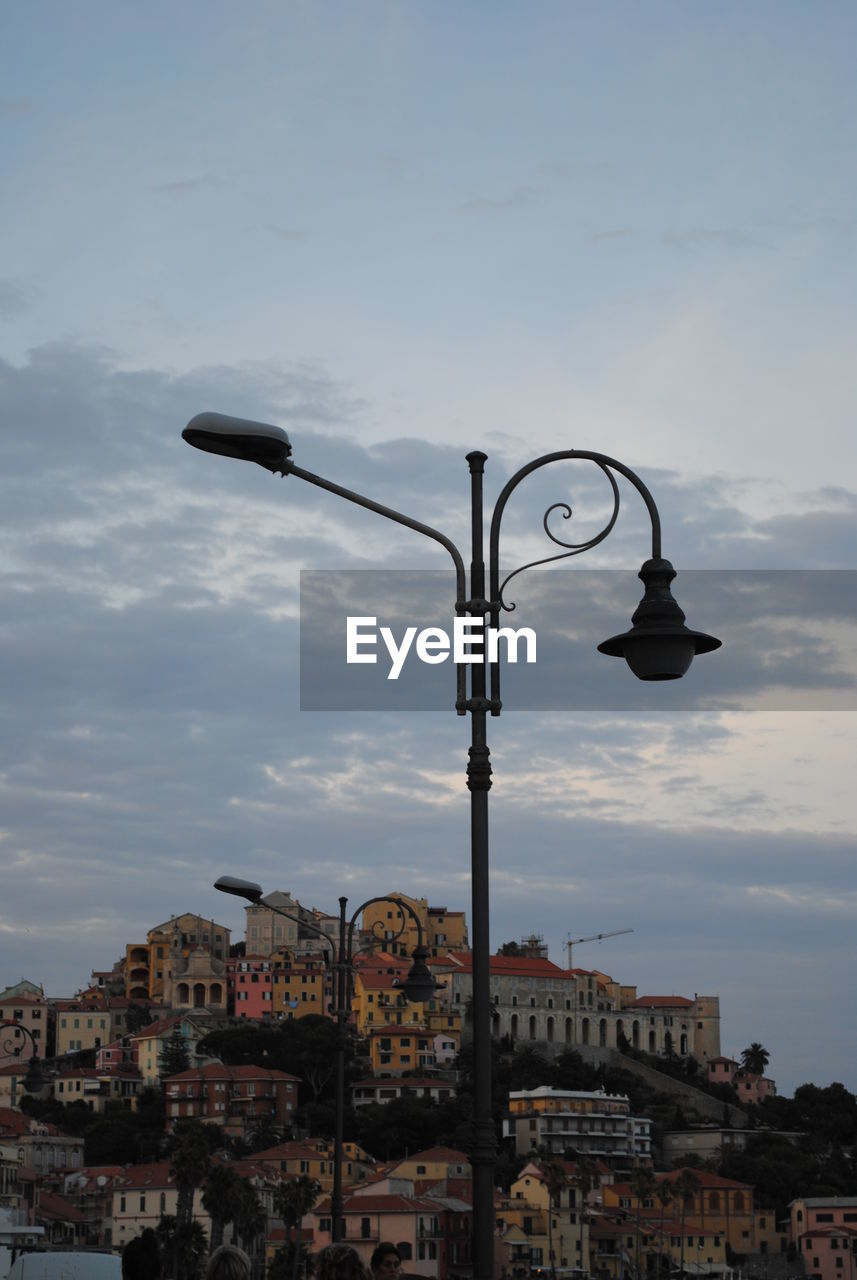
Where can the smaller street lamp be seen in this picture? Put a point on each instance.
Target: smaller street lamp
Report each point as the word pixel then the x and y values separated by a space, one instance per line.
pixel 417 987
pixel 34 1080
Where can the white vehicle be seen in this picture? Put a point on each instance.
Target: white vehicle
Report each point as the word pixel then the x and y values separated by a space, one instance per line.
pixel 66 1266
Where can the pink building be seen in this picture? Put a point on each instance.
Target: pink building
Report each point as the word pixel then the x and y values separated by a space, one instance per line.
pixel 751 1089
pixel 824 1231
pixel 250 984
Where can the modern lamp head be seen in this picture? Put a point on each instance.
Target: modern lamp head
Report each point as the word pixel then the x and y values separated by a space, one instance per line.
pixel 659 646
pixel 239 438
pixel 246 889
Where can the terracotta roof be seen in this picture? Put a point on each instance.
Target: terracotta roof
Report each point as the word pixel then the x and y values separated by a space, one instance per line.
pixel 146 1175
pixel 15 1122
pixel 55 1208
pixel 660 1002
pixel 446 1155
pixel 404 1082
pixel 218 1071
pixel 522 966
pixel 402 1028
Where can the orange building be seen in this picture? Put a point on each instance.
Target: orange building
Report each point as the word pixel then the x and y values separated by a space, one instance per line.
pixel 443 930
pixel 300 985
pixel 394 1049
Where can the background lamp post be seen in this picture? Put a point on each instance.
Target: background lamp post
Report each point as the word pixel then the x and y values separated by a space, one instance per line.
pixel 658 646
pixel 418 987
pixel 11 1047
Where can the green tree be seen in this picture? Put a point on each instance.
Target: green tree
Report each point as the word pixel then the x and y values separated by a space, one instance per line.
pixel 755 1058
pixel 664 1196
pixel 248 1217
pixel 643 1184
pixel 218 1199
pixel 186 1245
pixel 174 1056
pixel 292 1200
pixel 685 1188
pixel 555 1180
pixel 190 1161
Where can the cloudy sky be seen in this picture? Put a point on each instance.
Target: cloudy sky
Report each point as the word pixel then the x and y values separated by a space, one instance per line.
pixel 405 231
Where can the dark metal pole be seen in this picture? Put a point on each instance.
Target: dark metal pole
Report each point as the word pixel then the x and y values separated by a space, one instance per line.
pixel 340 996
pixel 483 1152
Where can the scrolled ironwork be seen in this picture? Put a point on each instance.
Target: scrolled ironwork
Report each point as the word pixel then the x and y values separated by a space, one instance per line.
pixel 571 548
pixel 9 1033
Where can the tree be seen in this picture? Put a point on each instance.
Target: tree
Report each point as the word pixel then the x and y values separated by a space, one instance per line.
pixel 586 1177
pixel 218 1198
pixel 554 1178
pixel 509 949
pixel 292 1200
pixel 190 1160
pixel 248 1217
pixel 685 1187
pixel 643 1184
pixel 174 1057
pixel 187 1246
pixel 755 1058
pixel 664 1195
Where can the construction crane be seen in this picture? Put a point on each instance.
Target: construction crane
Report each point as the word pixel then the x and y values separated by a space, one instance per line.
pixel 593 937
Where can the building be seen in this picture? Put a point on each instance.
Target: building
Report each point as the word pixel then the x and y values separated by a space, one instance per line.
pixel 237 1098
pixel 150 966
pixel 543 1213
pixel 302 983
pixel 599 1125
pixel 710 1142
pixel 443 931
pixel 533 999
pixel 265 930
pixel 750 1087
pixel 97 1089
pixel 387 1089
pixel 314 1158
pixel 150 1042
pixel 395 1049
pixel 824 1232
pixel 698 1228
pixel 25 1004
pixel 41 1148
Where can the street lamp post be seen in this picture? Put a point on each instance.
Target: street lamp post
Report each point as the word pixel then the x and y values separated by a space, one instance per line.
pixel 11 1048
pixel 417 987
pixel 658 646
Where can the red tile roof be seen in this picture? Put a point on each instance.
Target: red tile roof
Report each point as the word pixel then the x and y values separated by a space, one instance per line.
pixel 659 1002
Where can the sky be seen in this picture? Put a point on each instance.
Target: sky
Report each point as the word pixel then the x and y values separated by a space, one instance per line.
pixel 404 232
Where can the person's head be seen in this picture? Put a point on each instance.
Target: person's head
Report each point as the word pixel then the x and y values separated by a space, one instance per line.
pixel 141 1258
pixel 228 1263
pixel 386 1262
pixel 339 1262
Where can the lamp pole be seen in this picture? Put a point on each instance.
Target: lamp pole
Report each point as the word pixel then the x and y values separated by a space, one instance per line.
pixel 10 1048
pixel 417 987
pixel 658 646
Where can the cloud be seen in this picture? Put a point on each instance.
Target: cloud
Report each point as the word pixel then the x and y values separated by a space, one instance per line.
pixel 519 197
pixel 188 186
pixel 151 737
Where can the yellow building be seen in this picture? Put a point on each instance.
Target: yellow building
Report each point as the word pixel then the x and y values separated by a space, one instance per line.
pixel 443 931
pixel 300 985
pixel 147 964
pixel 717 1213
pixel 540 1216
pixel 82 1024
pixel 394 1049
pixel 435 1164
pixel 313 1157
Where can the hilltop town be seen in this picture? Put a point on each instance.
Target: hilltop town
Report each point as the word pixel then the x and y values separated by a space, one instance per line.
pixel 192 1088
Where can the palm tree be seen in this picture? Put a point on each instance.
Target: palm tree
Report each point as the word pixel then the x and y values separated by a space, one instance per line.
pixel 643 1184
pixel 248 1215
pixel 586 1176
pixel 292 1200
pixel 554 1178
pixel 664 1194
pixel 685 1187
pixel 190 1161
pixel 218 1199
pixel 755 1058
